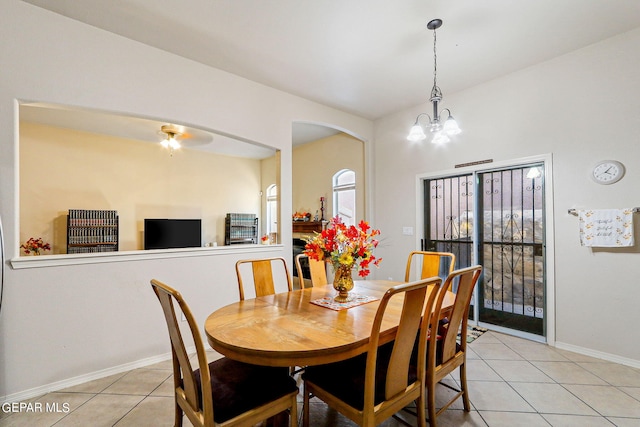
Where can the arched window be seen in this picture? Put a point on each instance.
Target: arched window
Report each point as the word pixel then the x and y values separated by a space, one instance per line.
pixel 344 196
pixel 272 212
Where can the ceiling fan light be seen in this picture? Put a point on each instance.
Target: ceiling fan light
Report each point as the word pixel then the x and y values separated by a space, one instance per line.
pixel 416 134
pixel 173 143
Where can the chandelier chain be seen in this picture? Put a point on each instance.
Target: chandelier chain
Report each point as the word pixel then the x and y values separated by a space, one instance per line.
pixel 435 61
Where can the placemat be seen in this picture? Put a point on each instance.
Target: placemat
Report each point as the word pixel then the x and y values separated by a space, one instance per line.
pixel 357 300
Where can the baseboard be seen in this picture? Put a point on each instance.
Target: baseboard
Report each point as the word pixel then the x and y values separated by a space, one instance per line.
pixel 598 354
pixel 81 379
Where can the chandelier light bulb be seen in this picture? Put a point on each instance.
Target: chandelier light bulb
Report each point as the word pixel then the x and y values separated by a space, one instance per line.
pixel 439 138
pixel 451 126
pixel 416 134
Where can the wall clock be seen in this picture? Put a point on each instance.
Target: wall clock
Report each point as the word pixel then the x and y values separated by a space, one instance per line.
pixel 607 172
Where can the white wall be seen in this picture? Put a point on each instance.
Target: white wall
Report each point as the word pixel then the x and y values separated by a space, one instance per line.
pixel 581 108
pixel 61 324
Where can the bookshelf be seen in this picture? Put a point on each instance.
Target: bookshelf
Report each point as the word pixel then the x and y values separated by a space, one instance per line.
pixel 91 231
pixel 240 228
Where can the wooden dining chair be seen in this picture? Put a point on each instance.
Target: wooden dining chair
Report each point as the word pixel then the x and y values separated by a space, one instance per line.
pixel 432 264
pixel 445 354
pixel 317 270
pixel 224 392
pixel 373 386
pixel 263 275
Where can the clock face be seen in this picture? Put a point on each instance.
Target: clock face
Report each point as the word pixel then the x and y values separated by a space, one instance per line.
pixel 608 172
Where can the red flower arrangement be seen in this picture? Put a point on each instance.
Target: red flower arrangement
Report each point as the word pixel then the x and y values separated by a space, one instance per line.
pixel 35 246
pixel 345 245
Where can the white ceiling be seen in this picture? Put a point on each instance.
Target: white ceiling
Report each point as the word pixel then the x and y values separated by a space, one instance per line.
pixel 367 57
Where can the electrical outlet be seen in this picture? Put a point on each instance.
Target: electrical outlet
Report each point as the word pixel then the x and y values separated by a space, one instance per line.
pixel 407 231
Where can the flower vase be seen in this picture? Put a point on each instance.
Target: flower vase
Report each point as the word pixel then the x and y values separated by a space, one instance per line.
pixel 342 282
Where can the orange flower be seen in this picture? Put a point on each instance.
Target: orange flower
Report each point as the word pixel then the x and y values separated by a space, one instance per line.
pixel 345 245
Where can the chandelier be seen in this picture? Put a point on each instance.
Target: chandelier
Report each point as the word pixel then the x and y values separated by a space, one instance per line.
pixel 441 133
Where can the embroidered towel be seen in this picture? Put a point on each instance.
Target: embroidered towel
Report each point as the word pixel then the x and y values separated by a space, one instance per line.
pixel 606 228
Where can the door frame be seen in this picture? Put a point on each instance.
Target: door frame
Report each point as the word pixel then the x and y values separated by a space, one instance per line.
pixel 547 160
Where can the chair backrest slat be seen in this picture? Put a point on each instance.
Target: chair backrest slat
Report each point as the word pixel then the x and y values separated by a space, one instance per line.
pixel 263 278
pixel 262 270
pixel 317 270
pixel 433 263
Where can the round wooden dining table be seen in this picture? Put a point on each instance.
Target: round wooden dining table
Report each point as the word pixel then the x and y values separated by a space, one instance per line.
pixel 287 329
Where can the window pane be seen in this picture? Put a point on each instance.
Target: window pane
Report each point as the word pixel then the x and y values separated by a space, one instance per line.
pixel 346 177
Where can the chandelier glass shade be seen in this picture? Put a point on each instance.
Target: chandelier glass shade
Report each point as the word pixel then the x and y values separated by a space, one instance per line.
pixel 441 132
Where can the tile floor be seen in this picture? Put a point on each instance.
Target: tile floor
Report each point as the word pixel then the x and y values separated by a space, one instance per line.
pixel 512 382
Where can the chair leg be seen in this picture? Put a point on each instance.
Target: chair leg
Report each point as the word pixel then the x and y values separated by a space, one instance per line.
pixel 463 387
pixel 293 413
pixel 178 416
pixel 421 413
pixel 431 404
pixel 305 406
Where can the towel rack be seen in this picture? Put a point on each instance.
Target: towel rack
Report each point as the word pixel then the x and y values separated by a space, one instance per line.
pixel 574 212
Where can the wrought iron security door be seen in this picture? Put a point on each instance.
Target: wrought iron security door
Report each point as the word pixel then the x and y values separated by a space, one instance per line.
pixel 509 205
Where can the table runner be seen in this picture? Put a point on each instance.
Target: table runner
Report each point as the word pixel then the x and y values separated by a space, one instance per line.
pixel 357 300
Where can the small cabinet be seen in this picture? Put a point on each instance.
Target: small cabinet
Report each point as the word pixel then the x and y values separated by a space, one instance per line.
pixel 90 231
pixel 241 228
pixel 308 226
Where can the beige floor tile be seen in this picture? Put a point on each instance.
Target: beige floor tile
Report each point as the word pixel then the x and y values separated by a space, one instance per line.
pixel 471 354
pixel 614 374
pixel 479 370
pixel 577 357
pixel 460 418
pixel 166 365
pixel 632 391
pixel 557 420
pixel 495 351
pixel 165 389
pixel 103 410
pixel 54 407
pixel 536 351
pixel 568 373
pixel 518 370
pixel 510 339
pixel 486 338
pixel 151 412
pixel 496 396
pixel 95 386
pixel 552 399
pixel 607 400
pixel 625 422
pixel 512 419
pixel 138 382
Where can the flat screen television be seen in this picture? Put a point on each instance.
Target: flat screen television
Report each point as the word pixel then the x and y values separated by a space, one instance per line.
pixel 172 233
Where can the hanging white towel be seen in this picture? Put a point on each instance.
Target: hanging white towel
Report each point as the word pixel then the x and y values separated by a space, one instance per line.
pixel 606 228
